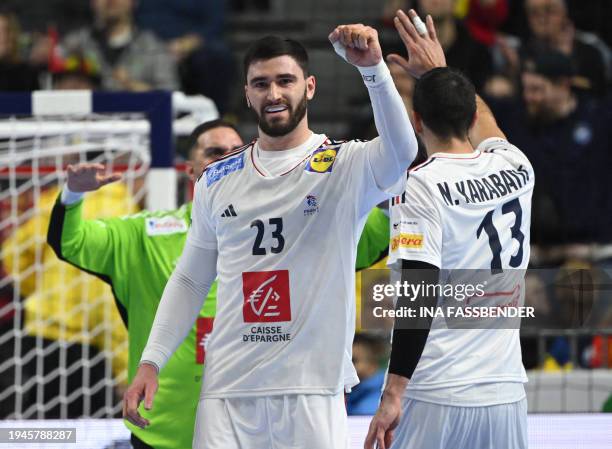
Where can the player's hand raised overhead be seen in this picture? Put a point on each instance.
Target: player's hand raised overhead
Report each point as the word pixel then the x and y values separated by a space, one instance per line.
pixel 424 49
pixel 86 177
pixel 144 386
pixel 358 44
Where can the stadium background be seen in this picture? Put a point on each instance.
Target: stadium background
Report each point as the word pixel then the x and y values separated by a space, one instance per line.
pixel 568 359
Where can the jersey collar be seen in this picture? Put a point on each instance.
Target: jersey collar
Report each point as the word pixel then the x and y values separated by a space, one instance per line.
pixel 473 155
pixel 313 142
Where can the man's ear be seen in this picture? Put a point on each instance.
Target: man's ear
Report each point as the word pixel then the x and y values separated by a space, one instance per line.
pixel 418 122
pixel 189 169
pixel 311 85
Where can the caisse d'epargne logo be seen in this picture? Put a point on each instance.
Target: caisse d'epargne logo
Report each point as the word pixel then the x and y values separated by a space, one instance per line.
pixel 266 296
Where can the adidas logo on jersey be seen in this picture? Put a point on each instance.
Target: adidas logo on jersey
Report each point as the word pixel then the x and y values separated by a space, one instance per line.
pixel 229 212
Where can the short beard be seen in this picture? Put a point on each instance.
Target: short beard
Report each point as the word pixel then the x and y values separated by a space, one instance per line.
pixel 279 130
pixel 541 118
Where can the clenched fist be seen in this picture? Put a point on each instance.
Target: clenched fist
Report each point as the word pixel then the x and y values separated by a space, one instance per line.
pixel 357 44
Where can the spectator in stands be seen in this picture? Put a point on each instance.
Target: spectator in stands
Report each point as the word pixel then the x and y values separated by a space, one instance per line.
pixel 38 15
pixel 76 72
pixel 551 28
pixel 461 50
pixel 484 18
pixel 193 31
pixel 42 21
pixel 15 74
pixel 368 355
pixel 129 58
pixel 566 136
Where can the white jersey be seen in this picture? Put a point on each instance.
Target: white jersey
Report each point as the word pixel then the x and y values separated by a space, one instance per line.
pixel 286 267
pixel 467 211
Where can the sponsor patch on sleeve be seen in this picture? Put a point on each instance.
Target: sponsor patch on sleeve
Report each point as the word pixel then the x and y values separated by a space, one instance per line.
pixel 224 168
pixel 406 241
pixel 406 233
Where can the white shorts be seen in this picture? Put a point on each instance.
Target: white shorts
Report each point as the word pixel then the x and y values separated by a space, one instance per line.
pixel 433 426
pixel 272 422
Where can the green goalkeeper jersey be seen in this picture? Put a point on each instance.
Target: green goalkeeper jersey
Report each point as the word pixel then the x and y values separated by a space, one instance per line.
pixel 136 254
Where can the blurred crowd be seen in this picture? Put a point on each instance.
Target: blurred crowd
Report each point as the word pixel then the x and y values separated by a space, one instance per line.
pixel 547 82
pixel 544 67
pixel 116 45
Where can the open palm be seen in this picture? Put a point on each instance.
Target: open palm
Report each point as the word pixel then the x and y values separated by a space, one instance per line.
pixel 87 177
pixel 424 50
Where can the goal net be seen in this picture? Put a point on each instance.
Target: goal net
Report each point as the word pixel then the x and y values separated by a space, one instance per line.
pixel 63 343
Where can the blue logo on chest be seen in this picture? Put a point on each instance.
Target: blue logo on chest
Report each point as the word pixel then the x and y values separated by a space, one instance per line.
pixel 224 168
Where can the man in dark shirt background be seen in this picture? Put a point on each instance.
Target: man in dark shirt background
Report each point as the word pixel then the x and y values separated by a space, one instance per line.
pixel 566 134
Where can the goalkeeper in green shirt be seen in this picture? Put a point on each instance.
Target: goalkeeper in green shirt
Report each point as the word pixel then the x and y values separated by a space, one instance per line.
pixel 136 255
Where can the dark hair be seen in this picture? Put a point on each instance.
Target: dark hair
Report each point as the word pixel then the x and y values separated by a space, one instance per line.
pixel 550 64
pixel 376 345
pixel 273 46
pixel 446 101
pixel 207 126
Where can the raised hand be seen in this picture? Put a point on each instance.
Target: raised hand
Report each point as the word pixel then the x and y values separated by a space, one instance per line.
pixel 144 386
pixel 424 50
pixel 86 177
pixel 358 44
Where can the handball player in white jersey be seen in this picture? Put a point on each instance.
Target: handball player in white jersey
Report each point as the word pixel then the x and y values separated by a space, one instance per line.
pixel 277 222
pixel 467 207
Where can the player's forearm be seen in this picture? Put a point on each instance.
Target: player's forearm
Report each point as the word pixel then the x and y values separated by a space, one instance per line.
pixel 399 144
pixel 410 334
pixel 180 304
pixel 485 125
pixel 85 243
pixel 395 386
pixel 65 231
pixel 406 350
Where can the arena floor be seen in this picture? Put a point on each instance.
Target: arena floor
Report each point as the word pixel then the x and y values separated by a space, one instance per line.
pixel 546 431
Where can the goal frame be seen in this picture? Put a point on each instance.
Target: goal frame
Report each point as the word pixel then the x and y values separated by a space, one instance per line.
pixel 156 107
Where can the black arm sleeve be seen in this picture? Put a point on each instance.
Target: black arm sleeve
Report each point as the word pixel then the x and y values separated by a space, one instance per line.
pixel 410 334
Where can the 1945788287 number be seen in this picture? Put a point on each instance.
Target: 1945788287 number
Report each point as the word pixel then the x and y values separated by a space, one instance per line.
pixel 33 435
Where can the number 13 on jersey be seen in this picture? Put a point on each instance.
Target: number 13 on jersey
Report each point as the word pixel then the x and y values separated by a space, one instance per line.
pixel 487 225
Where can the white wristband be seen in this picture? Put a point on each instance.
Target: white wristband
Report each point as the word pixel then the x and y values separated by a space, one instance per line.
pixel 69 197
pixel 372 75
pixel 375 75
pixel 149 362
